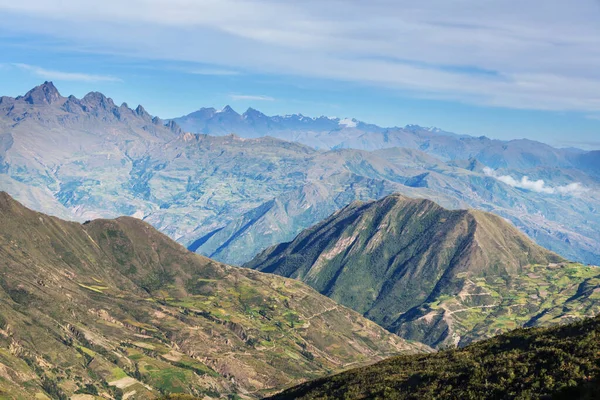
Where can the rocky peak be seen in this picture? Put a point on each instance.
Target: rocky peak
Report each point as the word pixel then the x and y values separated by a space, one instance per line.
pixel 253 112
pixel 172 125
pixel 141 112
pixel 98 100
pixel 228 110
pixel 6 100
pixel 43 94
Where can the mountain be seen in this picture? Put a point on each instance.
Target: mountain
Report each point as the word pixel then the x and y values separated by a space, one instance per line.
pixel 230 197
pixel 442 277
pixel 253 123
pixel 555 363
pixel 328 133
pixel 589 161
pixel 62 145
pixel 336 178
pixel 115 308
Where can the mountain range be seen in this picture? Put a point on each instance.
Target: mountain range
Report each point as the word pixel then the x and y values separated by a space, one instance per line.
pixel 230 197
pixel 115 309
pixel 431 239
pixel 327 133
pixel 437 276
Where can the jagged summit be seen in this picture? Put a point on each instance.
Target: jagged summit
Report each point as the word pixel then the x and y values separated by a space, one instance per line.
pixel 253 113
pixel 97 99
pixel 141 112
pixel 228 110
pixel 45 93
pixel 94 106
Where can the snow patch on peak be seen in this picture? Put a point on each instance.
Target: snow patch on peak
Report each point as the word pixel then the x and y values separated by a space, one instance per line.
pixel 225 109
pixel 348 123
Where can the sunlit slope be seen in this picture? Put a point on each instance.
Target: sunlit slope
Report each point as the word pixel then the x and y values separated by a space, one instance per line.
pixel 114 306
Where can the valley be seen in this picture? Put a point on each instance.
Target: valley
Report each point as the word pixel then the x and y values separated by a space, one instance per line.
pixel 299 200
pixel 230 197
pixel 115 308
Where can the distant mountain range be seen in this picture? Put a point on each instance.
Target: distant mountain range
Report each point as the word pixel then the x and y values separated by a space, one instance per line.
pixel 328 133
pixel 433 275
pixel 115 307
pixel 230 197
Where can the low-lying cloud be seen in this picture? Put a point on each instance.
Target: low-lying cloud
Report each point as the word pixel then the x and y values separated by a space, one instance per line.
pixel 538 186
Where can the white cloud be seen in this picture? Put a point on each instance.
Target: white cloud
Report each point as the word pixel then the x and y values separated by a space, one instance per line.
pixel 538 186
pixel 545 55
pixel 349 123
pixel 237 97
pixel 65 76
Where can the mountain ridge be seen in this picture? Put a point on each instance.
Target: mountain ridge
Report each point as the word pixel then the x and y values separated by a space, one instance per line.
pixel 114 306
pixel 88 158
pixel 558 363
pixel 423 138
pixel 427 273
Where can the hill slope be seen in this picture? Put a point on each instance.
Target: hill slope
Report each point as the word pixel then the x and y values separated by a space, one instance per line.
pixel 434 275
pixel 559 363
pixel 114 306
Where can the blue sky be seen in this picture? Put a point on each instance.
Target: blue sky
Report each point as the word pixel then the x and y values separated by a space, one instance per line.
pixel 500 68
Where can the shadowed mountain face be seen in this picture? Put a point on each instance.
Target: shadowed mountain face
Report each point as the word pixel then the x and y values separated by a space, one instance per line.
pixel 114 306
pixel 557 363
pixel 434 275
pixel 229 197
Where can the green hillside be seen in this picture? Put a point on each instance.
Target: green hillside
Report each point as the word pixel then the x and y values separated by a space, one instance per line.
pixel 438 276
pixel 115 309
pixel 538 363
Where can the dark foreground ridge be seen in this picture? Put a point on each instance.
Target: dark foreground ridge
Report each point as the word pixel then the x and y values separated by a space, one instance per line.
pixel 536 363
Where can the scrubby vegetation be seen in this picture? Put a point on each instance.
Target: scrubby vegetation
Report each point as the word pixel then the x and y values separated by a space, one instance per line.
pixel 114 308
pixel 436 276
pixel 536 363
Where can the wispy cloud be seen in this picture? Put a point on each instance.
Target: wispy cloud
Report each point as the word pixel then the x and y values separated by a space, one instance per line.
pixel 65 76
pixel 545 57
pixel 538 186
pixel 212 72
pixel 237 97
